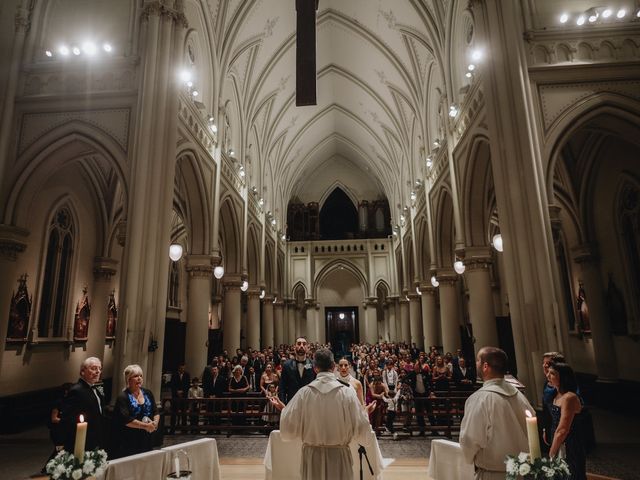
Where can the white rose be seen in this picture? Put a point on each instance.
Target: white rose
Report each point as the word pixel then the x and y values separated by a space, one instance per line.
pixel 511 466
pixel 77 474
pixel 99 471
pixel 88 466
pixel 60 469
pixel 524 469
pixel 55 475
pixel 523 457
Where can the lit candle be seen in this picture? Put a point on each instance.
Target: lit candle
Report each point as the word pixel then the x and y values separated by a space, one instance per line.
pixel 532 434
pixel 81 438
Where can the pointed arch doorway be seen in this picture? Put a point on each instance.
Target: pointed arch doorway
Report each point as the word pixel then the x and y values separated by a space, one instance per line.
pixel 342 328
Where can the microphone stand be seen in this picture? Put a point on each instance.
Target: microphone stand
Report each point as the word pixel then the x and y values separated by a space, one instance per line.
pixel 362 451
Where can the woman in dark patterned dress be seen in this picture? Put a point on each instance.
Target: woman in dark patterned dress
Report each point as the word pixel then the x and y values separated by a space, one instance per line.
pixel 566 420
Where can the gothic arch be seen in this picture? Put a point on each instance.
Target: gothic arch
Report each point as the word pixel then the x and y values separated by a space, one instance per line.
pixel 336 265
pixel 253 254
pixel 338 184
pixel 445 254
pixel 477 185
pixel 230 235
pixel 297 287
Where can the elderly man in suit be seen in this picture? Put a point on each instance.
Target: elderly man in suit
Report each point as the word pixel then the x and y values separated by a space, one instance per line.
pixel 297 372
pixel 85 398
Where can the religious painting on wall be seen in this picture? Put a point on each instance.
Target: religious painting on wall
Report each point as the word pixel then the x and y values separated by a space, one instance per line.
pixel 19 313
pixel 83 314
pixel 112 317
pixel 584 325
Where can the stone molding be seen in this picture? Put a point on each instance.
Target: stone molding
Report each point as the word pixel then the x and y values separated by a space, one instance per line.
pixel 104 268
pixel 164 9
pixel 12 242
pixel 199 266
pixel 254 292
pixel 447 278
pixel 428 289
pixel 477 263
pixel 585 253
pixel 231 281
pixel 370 302
pixel 413 297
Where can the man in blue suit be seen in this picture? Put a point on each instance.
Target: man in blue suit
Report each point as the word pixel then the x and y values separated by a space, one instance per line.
pixel 297 372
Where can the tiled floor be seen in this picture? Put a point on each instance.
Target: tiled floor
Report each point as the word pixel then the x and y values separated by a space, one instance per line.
pixel 23 455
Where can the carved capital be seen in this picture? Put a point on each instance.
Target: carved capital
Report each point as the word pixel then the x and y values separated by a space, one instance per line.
pixel 173 10
pixel 104 268
pixel 12 242
pixel 311 303
pixel 268 299
pixel 477 263
pixel 428 289
pixel 232 281
pixel 413 297
pixel 254 293
pixel 370 302
pixel 447 278
pixel 585 253
pixel 199 266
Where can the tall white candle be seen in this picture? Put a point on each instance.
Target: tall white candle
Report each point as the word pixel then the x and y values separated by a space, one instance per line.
pixel 81 439
pixel 177 462
pixel 532 435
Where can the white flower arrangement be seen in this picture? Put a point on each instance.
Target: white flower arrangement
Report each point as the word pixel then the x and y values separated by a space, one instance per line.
pixel 539 469
pixel 65 465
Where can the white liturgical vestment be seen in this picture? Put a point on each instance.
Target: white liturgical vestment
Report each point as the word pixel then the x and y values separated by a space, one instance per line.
pixel 493 427
pixel 326 416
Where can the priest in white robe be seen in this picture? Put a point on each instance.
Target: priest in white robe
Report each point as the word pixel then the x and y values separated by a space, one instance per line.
pixel 494 423
pixel 325 416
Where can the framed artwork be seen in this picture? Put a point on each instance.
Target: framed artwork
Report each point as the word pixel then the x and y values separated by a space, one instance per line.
pixel 83 315
pixel 112 317
pixel 19 313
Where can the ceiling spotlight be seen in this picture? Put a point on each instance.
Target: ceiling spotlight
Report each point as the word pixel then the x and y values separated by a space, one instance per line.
pixel 213 128
pixel 564 18
pixel 218 272
pixel 261 201
pixel 638 13
pixel 429 161
pixel 245 286
pixel 262 293
pixel 593 17
pixel 476 55
pixel 232 153
pixel 453 110
pixel 434 281
pixel 189 84
pixel 89 48
pixel 76 50
pixel 283 237
pixel 581 19
pixel 468 74
pixel 436 143
pixel 418 291
pixel 471 67
pixel 195 93
pixel 621 13
pixel 459 267
pixel 413 196
pixel 607 13
pixel 175 252
pixel 64 50
pixel 241 171
pixel 273 222
pixel 48 53
pixel 185 76
pixel 107 47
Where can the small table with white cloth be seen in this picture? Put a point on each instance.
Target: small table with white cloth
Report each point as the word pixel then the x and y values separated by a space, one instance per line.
pixel 157 464
pixel 446 462
pixel 283 460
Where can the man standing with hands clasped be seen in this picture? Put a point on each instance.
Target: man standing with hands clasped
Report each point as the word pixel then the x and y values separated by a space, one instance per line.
pixel 325 444
pixel 494 423
pixel 297 372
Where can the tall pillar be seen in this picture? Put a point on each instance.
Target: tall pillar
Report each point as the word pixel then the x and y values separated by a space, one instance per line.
pixel 520 185
pixel 415 319
pixel 371 320
pixel 231 310
pixel 253 318
pixel 394 317
pixel 12 243
pixel 278 322
pixel 310 320
pixel 387 307
pixel 405 325
pixel 449 316
pixel 321 335
pixel 481 312
pixel 267 322
pixel 603 349
pixel 429 316
pixel 292 316
pixel 145 268
pixel 103 271
pixel 200 269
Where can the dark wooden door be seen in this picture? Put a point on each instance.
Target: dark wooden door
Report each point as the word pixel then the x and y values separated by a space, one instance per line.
pixel 341 328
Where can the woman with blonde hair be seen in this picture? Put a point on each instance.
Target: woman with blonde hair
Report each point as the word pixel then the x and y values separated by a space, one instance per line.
pixel 135 415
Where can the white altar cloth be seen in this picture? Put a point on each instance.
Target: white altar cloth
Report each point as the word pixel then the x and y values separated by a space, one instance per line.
pixel 282 460
pixel 446 462
pixel 203 459
pixel 148 465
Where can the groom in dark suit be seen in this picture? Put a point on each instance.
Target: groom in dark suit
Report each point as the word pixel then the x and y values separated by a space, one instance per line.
pixel 85 398
pixel 296 373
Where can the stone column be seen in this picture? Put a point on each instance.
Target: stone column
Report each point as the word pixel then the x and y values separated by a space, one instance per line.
pixel 449 316
pixel 481 312
pixel 103 271
pixel 231 307
pixel 253 317
pixel 429 315
pixel 405 325
pixel 603 349
pixel 267 322
pixel 143 290
pixel 199 269
pixel 278 317
pixel 415 319
pixel 310 320
pixel 371 320
pixel 393 318
pixel 12 243
pixel 319 322
pixel 292 314
pixel 385 324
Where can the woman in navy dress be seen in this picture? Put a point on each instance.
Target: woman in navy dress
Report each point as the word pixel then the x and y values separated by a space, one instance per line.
pixel 566 435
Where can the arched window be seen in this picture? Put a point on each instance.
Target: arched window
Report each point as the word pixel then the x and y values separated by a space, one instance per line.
pixel 57 274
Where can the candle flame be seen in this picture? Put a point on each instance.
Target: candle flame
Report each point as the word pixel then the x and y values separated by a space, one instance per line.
pixel 82 418
pixel 528 413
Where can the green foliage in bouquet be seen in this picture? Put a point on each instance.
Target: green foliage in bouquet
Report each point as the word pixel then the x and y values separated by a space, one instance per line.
pixel 539 469
pixel 65 466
